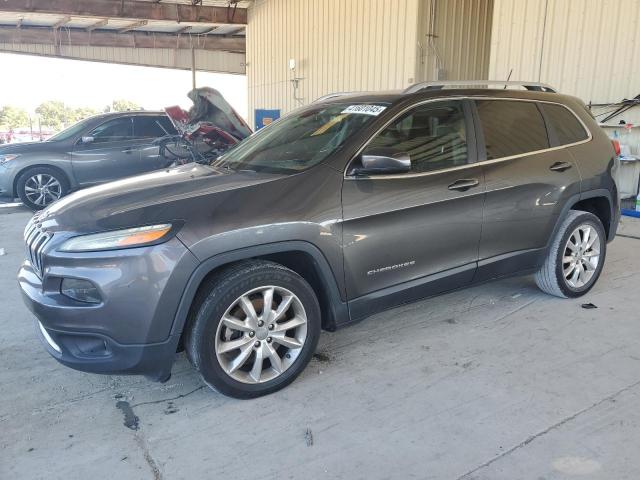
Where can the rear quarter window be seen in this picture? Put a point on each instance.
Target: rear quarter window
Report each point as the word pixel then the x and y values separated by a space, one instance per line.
pixel 511 128
pixel 564 124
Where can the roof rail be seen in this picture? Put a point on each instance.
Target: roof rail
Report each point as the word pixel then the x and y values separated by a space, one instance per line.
pixel 535 86
pixel 333 95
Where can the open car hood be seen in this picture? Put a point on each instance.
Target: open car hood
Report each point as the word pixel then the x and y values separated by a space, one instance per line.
pixel 210 113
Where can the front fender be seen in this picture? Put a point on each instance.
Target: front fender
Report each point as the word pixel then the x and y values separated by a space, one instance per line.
pixel 337 306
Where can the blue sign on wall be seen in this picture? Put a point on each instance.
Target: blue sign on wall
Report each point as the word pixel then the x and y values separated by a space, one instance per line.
pixel 265 117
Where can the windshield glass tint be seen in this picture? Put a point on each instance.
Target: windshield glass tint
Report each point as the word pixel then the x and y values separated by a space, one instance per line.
pixel 72 131
pixel 302 139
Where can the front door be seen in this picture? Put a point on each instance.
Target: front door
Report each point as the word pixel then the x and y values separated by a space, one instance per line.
pixel 107 153
pixel 416 233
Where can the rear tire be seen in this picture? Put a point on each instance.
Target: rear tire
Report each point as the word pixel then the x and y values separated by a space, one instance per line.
pixel 254 351
pixel 39 187
pixel 576 257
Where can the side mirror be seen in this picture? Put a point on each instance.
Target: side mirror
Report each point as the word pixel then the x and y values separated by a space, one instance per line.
pixel 383 161
pixel 87 139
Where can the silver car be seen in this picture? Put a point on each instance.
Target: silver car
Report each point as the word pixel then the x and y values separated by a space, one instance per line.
pixel 98 149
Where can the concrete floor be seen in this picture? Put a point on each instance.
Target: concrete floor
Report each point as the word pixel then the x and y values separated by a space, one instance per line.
pixel 495 382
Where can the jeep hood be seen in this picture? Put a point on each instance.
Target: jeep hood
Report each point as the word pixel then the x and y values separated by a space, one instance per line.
pixel 161 196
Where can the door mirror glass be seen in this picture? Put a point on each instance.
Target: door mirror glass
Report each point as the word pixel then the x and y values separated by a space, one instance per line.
pixel 384 161
pixel 87 139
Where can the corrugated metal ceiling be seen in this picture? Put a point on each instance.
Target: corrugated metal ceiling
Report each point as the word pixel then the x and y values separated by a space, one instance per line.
pixel 115 24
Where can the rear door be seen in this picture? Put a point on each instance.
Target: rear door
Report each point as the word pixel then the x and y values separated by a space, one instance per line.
pixel 418 226
pixel 108 152
pixel 148 129
pixel 529 179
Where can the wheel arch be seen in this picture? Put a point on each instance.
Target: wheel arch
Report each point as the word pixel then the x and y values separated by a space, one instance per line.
pixel 38 165
pixel 301 257
pixel 599 203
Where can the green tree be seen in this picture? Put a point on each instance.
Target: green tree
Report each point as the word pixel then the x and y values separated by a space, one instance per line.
pixel 54 114
pixel 124 105
pixel 82 112
pixel 13 117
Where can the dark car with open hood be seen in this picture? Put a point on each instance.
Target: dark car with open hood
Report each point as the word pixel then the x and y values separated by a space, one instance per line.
pixel 345 207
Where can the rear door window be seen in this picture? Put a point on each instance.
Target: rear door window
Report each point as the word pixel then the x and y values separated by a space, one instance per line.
pixel 566 127
pixel 511 128
pixel 147 126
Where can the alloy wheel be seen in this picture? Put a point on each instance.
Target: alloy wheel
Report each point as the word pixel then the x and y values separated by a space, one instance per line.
pixel 42 189
pixel 581 256
pixel 261 334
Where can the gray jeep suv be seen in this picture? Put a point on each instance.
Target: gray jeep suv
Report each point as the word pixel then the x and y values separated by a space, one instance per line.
pixel 95 150
pixel 348 206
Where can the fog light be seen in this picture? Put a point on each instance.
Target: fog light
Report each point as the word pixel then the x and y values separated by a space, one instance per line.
pixel 80 290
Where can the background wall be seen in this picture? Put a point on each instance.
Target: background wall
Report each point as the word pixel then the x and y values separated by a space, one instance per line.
pixel 334 49
pixel 589 48
pixel 586 48
pixel 457 44
pixel 360 45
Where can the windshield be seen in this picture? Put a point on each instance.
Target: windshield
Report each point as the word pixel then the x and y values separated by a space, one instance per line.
pixel 300 140
pixel 71 131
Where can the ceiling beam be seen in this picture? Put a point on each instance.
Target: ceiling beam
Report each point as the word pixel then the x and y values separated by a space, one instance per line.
pixel 183 30
pixel 132 26
pixel 61 22
pixel 101 38
pixel 98 24
pixel 235 31
pixel 130 9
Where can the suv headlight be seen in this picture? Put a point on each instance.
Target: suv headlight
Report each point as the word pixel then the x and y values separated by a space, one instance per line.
pixel 127 238
pixel 6 158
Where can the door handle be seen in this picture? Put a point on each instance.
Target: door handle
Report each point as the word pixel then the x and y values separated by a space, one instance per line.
pixel 127 150
pixel 464 184
pixel 560 166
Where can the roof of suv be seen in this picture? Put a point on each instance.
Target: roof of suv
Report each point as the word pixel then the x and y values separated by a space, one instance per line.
pixel 532 91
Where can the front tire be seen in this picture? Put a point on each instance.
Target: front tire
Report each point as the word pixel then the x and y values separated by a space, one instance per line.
pixel 39 187
pixel 244 348
pixel 576 257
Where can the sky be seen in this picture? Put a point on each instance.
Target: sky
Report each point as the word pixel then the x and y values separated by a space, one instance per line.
pixel 26 81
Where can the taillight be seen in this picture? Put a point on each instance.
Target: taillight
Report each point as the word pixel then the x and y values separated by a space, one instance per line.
pixel 616 147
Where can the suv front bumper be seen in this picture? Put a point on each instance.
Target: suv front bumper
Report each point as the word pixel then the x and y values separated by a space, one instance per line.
pixel 130 330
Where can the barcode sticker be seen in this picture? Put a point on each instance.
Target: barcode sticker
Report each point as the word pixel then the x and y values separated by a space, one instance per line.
pixel 374 110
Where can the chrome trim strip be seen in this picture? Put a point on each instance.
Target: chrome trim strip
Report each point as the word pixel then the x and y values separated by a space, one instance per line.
pixel 48 338
pixel 468 165
pixel 36 240
pixel 335 95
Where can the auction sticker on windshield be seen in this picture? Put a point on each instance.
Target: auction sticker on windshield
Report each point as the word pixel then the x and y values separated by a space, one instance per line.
pixel 374 110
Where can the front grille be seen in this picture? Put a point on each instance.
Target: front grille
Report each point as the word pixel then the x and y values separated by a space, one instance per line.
pixel 36 239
